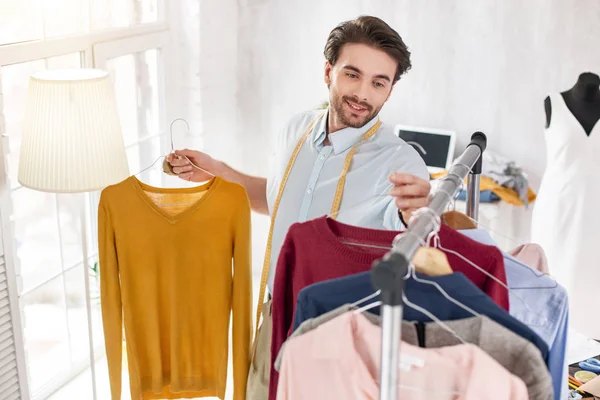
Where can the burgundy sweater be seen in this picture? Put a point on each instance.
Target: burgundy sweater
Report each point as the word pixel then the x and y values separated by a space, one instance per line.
pixel 314 251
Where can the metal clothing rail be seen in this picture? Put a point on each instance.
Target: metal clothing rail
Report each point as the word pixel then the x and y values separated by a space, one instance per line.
pixel 389 273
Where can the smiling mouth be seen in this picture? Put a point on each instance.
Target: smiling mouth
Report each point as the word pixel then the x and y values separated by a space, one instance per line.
pixel 356 107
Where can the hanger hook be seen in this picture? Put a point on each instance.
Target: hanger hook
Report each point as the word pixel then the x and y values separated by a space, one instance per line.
pixel 171 129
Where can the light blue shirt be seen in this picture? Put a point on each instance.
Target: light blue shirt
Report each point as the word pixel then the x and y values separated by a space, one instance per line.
pixel 311 186
pixel 540 303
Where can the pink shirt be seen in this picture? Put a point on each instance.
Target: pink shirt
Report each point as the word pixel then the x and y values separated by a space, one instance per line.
pixel 531 254
pixel 340 360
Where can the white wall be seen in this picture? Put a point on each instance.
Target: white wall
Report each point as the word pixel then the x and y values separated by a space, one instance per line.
pixel 204 71
pixel 477 65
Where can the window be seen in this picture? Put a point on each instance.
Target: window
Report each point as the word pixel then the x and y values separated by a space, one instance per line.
pixel 21 21
pixel 119 13
pixel 128 38
pixel 30 20
pixel 136 70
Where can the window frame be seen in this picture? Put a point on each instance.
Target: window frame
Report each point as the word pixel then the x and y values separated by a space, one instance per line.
pixel 95 47
pixel 18 53
pixel 128 45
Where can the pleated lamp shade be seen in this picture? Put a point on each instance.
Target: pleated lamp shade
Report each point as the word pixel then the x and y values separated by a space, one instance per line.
pixel 71 140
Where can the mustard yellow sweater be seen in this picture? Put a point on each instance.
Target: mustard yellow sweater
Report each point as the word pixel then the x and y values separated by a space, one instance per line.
pixel 174 263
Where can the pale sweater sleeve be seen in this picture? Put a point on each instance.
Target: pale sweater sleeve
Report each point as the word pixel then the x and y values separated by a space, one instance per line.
pixel 110 297
pixel 242 300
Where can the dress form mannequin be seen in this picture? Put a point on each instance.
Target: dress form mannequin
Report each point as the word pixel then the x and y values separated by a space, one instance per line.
pixel 583 100
pixel 566 216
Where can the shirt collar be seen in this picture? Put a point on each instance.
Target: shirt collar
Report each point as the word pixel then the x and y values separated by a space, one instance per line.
pixel 350 330
pixel 343 139
pixel 483 236
pixel 479 235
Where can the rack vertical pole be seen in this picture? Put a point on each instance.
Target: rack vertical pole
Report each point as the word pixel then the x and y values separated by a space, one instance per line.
pixel 390 272
pixel 390 279
pixel 473 185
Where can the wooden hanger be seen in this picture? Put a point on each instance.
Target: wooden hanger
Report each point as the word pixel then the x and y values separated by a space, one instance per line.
pixel 431 262
pixel 427 260
pixel 457 220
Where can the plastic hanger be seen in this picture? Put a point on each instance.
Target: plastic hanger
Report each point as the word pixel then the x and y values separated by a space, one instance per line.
pixel 535 273
pixel 416 307
pixel 373 246
pixel 166 165
pixel 427 260
pixel 150 166
pixel 406 362
pixel 437 244
pixel 432 317
pixel 369 297
pixel 411 273
pixel 452 200
pixel 348 208
pixel 478 224
pixel 444 293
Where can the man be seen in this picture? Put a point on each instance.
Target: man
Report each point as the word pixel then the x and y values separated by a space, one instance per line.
pixel 385 178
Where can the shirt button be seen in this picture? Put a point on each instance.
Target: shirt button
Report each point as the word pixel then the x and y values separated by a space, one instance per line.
pixel 322 157
pixel 309 191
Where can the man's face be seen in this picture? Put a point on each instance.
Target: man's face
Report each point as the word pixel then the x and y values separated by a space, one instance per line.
pixel 359 84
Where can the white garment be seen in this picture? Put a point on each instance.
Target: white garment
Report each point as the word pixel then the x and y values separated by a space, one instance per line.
pixel 566 215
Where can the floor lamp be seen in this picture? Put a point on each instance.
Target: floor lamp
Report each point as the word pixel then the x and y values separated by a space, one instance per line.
pixel 72 143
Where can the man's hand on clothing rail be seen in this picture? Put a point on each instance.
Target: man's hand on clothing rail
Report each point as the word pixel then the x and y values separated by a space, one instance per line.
pixel 410 193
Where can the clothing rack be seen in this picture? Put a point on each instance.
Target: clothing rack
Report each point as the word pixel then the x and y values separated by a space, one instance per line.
pixel 389 273
pixel 473 181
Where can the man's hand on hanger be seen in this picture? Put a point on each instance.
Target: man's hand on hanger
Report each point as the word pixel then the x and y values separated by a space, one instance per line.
pixel 204 166
pixel 410 193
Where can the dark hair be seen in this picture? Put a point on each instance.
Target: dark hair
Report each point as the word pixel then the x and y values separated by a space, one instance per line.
pixel 371 31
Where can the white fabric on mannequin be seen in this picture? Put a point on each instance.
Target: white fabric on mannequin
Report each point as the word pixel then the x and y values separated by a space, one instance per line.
pixel 566 215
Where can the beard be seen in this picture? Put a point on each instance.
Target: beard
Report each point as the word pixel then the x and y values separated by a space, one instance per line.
pixel 345 115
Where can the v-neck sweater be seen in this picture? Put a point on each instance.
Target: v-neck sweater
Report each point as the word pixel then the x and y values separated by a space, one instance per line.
pixel 316 251
pixel 173 281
